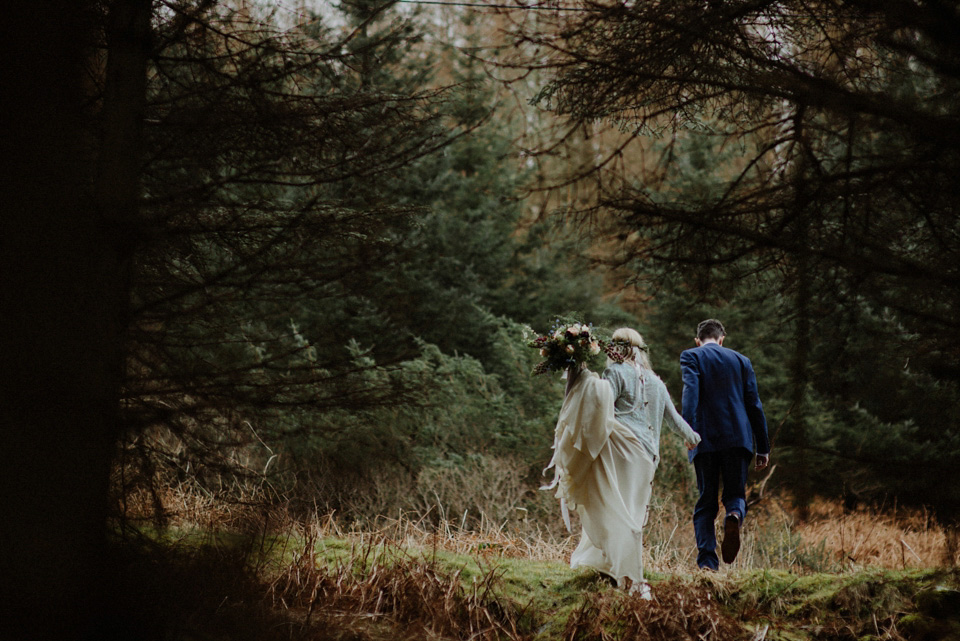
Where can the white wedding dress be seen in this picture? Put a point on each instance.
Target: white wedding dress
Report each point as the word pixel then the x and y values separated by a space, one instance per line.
pixel 602 471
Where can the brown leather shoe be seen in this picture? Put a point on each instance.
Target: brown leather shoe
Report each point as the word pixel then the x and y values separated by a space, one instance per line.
pixel 731 538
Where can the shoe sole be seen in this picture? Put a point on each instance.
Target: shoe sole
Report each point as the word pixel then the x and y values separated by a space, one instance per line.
pixel 731 539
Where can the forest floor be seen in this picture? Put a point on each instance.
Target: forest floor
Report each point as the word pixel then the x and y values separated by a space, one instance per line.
pixel 241 572
pixel 305 585
pixel 483 596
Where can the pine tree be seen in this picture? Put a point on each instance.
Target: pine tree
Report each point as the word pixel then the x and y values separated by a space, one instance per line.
pixel 844 118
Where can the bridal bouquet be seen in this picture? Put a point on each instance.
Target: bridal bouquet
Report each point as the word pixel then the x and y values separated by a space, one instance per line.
pixel 568 346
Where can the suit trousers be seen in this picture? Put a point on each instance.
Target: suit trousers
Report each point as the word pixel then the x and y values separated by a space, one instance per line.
pixel 729 467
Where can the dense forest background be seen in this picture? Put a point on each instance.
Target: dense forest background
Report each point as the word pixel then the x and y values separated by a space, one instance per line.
pixel 292 254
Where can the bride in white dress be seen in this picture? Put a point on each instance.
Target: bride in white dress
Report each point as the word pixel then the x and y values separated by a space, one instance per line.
pixel 606 451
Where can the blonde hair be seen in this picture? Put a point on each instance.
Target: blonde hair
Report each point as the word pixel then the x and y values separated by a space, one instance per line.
pixel 633 337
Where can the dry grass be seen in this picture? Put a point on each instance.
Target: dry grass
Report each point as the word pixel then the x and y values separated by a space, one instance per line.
pixel 831 540
pixel 869 538
pixel 462 517
pixel 186 507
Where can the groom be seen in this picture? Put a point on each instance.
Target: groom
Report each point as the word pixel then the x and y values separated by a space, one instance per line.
pixel 721 403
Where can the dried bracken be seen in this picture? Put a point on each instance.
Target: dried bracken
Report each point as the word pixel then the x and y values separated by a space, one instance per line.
pixel 404 591
pixel 677 611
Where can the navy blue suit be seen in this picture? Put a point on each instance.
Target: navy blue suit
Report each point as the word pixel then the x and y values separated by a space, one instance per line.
pixel 721 403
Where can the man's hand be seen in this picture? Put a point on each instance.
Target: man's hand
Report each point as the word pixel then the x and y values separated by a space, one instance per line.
pixel 762 461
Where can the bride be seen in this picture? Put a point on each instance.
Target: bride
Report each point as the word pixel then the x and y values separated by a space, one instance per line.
pixel 606 451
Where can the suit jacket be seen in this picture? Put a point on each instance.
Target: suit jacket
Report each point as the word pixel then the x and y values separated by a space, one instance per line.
pixel 720 400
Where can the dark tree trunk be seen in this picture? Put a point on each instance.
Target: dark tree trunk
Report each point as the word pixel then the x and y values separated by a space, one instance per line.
pixel 62 296
pixel 799 382
pixel 799 367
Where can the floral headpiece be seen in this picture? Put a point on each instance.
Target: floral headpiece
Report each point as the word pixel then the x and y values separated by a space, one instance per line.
pixel 620 349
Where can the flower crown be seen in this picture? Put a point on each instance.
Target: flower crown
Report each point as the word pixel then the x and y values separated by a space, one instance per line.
pixel 619 349
pixel 570 346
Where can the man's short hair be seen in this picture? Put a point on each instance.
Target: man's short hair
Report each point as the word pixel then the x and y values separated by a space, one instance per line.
pixel 710 328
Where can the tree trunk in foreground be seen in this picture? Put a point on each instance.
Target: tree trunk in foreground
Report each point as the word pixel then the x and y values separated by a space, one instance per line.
pixel 62 296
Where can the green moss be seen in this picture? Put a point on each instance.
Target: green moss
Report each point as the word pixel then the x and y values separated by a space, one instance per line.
pixel 860 602
pixel 939 602
pixel 920 627
pixel 782 593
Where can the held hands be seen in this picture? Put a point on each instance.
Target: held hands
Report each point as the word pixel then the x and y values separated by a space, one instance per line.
pixel 762 461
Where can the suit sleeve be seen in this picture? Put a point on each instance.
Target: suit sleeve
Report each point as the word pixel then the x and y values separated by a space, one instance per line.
pixel 691 388
pixel 751 399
